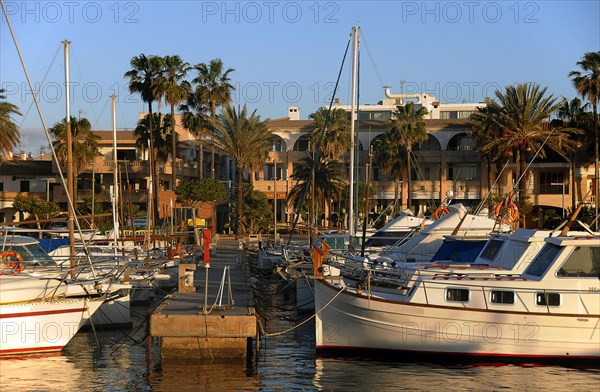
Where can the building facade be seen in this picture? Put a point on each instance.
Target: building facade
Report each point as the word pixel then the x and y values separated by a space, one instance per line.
pixel 447 166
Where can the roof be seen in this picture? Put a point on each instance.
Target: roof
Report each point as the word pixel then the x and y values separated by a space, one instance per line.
pixel 26 167
pixel 285 122
pixel 121 135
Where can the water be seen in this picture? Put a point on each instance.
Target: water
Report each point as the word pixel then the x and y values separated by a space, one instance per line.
pixel 285 362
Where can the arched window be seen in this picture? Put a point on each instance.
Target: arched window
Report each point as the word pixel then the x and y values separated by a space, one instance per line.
pixel 278 144
pixel 303 143
pixel 461 142
pixel 431 144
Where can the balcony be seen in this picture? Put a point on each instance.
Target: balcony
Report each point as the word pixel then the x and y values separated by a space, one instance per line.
pixel 101 196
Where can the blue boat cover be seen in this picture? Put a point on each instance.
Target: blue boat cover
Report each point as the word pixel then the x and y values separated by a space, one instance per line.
pixel 459 251
pixel 49 244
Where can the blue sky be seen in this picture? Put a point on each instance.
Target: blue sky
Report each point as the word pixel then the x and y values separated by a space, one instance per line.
pixel 289 52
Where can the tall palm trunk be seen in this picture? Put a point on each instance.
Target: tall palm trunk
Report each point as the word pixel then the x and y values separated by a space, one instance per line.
pixel 522 165
pixel 213 111
pixel 200 160
pixel 240 200
pixel 173 149
pixel 153 168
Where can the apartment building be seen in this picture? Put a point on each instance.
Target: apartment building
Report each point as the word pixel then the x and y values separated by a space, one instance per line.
pixel 446 164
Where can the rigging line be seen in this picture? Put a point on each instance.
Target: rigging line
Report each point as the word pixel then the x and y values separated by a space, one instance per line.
pixel 532 159
pixel 480 206
pixel 319 141
pixel 84 82
pixel 372 58
pixel 421 177
pixel 95 125
pixel 43 121
pixel 41 84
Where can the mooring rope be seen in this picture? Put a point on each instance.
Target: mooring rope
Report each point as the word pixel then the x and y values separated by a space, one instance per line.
pixel 265 333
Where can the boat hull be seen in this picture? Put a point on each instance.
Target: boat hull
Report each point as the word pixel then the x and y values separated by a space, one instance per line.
pixel 348 321
pixel 42 326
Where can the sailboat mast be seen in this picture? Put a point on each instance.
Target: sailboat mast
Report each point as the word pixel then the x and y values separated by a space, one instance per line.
pixel 116 171
pixel 70 185
pixel 352 123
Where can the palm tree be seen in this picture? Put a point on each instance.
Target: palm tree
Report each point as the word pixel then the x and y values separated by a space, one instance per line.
pixel 587 84
pixel 9 133
pixel 196 119
pixel 329 180
pixel 521 117
pixel 85 145
pixel 391 157
pixel 572 114
pixel 144 78
pixel 175 90
pixel 240 137
pixel 336 136
pixel 484 130
pixel 407 128
pixel 214 89
pixel 161 127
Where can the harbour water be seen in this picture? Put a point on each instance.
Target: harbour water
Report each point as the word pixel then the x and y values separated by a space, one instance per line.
pixel 125 361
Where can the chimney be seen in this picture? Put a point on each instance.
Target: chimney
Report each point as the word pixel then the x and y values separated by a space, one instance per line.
pixel 23 155
pixel 294 113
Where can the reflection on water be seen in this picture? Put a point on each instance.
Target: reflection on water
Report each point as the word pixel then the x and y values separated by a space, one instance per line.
pixel 186 375
pixel 285 362
pixel 54 372
pixel 376 375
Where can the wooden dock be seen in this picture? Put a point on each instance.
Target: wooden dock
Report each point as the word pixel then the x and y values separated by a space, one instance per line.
pixel 226 326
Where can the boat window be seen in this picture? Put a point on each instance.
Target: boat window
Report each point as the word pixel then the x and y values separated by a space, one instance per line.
pixel 502 297
pixel 33 254
pixel 491 249
pixel 584 261
pixel 547 299
pixel 540 264
pixel 457 295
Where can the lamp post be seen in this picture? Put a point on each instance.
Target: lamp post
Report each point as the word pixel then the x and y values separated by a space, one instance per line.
pixel 563 195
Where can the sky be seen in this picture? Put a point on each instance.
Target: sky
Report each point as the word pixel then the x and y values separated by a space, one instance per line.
pixel 288 53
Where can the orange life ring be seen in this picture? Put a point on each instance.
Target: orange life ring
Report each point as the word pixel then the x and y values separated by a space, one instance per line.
pixel 506 212
pixel 441 211
pixel 14 261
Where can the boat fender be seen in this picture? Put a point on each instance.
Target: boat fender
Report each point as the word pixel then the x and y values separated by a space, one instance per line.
pixel 13 260
pixel 384 260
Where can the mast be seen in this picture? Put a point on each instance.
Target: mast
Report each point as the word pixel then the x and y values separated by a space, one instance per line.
pixel 352 123
pixel 70 185
pixel 115 198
